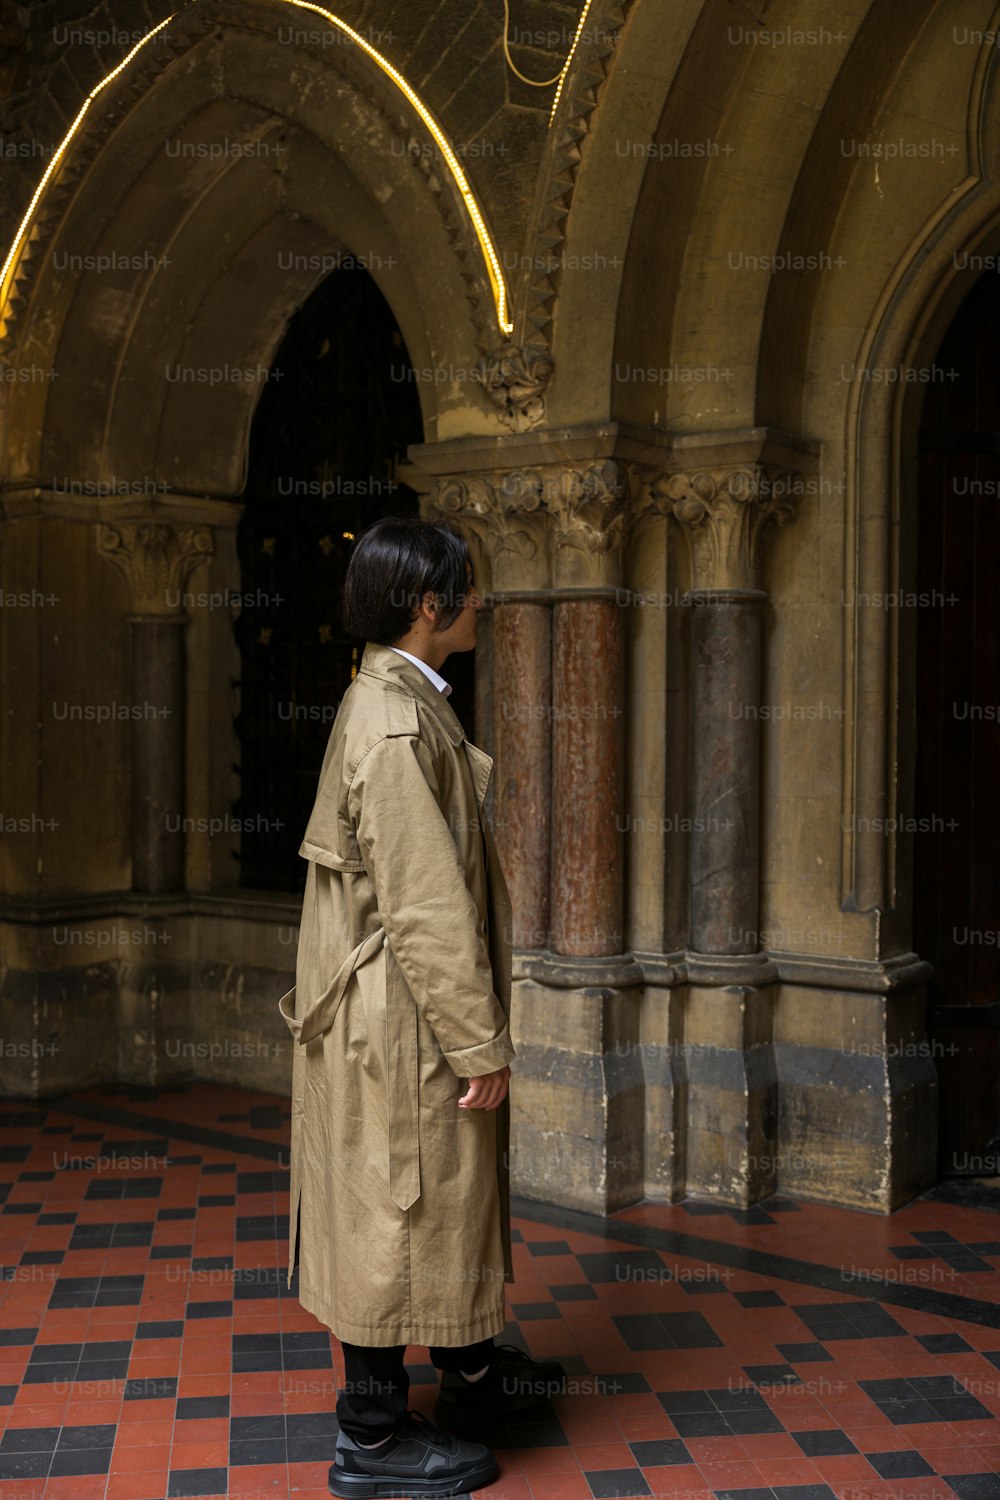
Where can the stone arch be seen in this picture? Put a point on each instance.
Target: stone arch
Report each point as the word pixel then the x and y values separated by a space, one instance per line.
pixel 318 159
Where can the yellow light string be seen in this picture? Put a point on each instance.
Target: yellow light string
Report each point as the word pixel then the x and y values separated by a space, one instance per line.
pixel 60 152
pixel 454 165
pixel 535 83
pixel 492 260
pixel 569 59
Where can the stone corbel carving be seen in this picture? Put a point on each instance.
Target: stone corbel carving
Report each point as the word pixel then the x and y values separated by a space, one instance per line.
pixel 725 513
pixel 157 559
pixel 515 380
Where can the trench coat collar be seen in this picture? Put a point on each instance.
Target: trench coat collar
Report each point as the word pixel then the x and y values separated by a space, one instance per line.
pixel 379 661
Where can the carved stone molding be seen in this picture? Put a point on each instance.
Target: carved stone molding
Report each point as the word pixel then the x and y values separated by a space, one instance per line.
pixel 515 380
pixel 724 513
pixel 157 559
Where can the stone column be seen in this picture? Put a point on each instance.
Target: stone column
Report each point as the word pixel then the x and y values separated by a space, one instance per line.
pixel 733 1108
pixel 724 514
pixel 502 515
pixel 157 559
pixel 552 535
pixel 588 712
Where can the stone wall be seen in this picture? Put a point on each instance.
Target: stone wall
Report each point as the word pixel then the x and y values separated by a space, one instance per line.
pixel 670 489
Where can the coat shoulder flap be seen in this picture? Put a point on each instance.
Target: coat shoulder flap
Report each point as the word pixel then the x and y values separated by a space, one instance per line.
pixel 400 713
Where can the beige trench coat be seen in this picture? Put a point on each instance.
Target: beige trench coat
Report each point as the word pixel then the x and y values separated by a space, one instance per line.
pixel 400 1200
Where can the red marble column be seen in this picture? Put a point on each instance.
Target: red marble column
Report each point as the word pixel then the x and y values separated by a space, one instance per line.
pixel 522 712
pixel 587 759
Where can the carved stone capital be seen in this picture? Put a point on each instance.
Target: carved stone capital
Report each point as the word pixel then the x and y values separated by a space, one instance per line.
pixel 517 519
pixel 724 514
pixel 502 513
pixel 587 508
pixel 515 379
pixel 157 559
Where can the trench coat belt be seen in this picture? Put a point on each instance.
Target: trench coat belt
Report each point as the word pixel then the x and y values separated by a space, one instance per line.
pixel 323 1012
pixel 403 1086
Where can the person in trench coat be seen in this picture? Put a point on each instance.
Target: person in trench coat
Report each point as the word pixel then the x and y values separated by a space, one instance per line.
pixel 399 1193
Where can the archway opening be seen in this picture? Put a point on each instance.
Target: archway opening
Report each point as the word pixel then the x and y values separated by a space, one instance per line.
pixel 957 797
pixel 334 419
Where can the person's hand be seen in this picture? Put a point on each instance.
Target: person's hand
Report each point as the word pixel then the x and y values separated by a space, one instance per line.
pixel 487 1091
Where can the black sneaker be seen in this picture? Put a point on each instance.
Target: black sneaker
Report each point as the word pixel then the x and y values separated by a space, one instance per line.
pixel 418 1459
pixel 514 1382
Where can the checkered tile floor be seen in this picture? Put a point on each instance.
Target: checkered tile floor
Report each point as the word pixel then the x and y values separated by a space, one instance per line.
pixel 149 1347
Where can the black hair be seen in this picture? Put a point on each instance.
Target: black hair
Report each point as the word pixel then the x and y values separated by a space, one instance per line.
pixel 398 560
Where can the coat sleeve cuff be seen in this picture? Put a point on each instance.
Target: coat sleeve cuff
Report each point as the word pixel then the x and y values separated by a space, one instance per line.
pixel 488 1057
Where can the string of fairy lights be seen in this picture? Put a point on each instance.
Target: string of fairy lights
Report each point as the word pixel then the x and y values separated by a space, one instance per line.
pixel 501 296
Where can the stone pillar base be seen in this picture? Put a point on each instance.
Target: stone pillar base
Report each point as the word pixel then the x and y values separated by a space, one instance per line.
pixel 732 1093
pixel 577 1095
pixel 858 1096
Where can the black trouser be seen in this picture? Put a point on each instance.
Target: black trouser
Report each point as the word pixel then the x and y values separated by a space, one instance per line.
pixel 376 1384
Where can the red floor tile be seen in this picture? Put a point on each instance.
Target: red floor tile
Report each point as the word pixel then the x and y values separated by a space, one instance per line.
pixel 599 1428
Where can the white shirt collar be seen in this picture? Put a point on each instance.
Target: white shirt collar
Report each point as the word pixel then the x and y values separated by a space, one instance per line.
pixel 444 688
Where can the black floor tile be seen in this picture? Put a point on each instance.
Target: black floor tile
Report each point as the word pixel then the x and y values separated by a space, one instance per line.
pixel 848 1320
pixel 25 1465
pixel 258 1451
pixel 624 1266
pixel 803 1492
pixel 628 1383
pixel 198 1408
pixel 311 1424
pixel 692 1424
pixel 618 1482
pixel 974 1486
pixel 102 1435
pixel 904 1463
pixel 151 1388
pixel 220 1309
pixel 69 1461
pixel 164 1330
pixel 670 1330
pixel 531 1312
pixel 29 1440
pixel 772 1374
pixel 185 1482
pixel 944 1343
pixel 10 1336
pixel 823 1444
pixel 685 1401
pixel 656 1452
pixel 755 1494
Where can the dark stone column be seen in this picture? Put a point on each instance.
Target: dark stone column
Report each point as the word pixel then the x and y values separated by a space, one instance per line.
pixel 588 743
pixel 157 683
pixel 522 716
pixel 156 558
pixel 732 1124
pixel 726 669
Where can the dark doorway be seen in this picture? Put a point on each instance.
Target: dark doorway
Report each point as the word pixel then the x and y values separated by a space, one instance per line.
pixel 332 424
pixel 957 871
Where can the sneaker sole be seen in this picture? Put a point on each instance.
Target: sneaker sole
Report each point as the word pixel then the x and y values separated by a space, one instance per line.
pixel 382 1487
